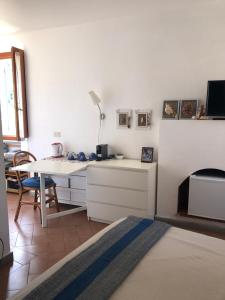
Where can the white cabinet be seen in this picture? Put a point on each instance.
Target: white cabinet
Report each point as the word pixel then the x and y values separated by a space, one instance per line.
pixel 111 189
pixel 71 190
pixel 110 213
pixel 118 178
pixel 63 194
pixel 61 181
pixel 78 182
pixel 118 191
pixel 117 196
pixel 207 197
pixel 78 197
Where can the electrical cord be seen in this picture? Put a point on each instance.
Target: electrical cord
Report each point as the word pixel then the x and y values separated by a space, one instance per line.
pixel 99 131
pixel 100 124
pixel 3 248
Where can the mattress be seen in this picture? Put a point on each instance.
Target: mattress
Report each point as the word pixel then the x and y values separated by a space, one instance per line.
pixel 182 265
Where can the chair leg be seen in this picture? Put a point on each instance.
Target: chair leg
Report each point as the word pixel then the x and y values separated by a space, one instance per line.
pixel 40 213
pixel 35 199
pixel 51 196
pixel 56 199
pixel 19 205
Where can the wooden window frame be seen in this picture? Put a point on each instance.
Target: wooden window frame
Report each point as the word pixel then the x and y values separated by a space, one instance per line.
pixel 5 55
pixel 11 55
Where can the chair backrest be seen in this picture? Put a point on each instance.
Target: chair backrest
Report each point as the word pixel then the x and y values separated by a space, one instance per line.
pixel 21 158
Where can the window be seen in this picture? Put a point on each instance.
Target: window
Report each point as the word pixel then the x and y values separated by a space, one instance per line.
pixel 13 95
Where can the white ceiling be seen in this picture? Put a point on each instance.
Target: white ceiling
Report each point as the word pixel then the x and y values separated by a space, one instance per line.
pixel 26 15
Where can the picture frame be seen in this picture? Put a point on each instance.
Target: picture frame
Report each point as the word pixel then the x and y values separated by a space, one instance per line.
pixel 124 117
pixel 171 109
pixel 188 109
pixel 143 119
pixel 147 154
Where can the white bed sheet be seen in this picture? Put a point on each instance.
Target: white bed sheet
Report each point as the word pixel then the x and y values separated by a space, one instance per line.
pixel 182 265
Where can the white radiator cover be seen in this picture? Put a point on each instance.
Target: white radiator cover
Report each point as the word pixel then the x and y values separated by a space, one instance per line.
pixel 207 197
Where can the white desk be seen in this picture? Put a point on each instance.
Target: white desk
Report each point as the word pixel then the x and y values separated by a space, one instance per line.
pixel 115 188
pixel 48 167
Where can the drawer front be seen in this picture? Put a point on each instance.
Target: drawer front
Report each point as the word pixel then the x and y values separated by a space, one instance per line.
pixel 63 193
pixel 110 213
pixel 78 195
pixel 118 178
pixel 78 182
pixel 117 196
pixel 80 173
pixel 61 181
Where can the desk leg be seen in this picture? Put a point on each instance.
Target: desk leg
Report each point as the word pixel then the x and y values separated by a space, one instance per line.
pixel 43 199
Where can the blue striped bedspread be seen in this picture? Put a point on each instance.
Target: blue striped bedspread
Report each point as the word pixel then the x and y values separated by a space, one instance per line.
pixel 97 271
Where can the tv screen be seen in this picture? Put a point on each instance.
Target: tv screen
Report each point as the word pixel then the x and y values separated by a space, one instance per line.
pixel 215 102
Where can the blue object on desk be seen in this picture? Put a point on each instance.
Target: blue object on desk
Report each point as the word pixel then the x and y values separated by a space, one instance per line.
pixel 71 156
pixel 93 156
pixel 81 156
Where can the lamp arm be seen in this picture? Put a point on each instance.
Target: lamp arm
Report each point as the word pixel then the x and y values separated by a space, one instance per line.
pixel 100 124
pixel 102 115
pixel 99 109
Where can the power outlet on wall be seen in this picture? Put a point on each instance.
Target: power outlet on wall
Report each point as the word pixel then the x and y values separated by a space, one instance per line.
pixel 57 133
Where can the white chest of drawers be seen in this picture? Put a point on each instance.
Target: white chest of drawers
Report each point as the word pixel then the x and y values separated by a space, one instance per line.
pixel 116 189
pixel 72 190
pixel 111 189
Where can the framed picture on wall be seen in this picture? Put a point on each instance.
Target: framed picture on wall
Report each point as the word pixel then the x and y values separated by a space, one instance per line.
pixel 189 109
pixel 124 118
pixel 143 119
pixel 147 154
pixel 170 109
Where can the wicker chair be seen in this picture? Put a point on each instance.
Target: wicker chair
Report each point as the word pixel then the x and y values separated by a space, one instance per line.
pixel 27 183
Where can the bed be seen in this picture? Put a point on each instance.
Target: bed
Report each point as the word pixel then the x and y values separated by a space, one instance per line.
pixel 179 265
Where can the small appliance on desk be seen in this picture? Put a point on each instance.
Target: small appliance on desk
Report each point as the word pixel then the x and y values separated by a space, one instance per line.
pixel 102 151
pixel 57 150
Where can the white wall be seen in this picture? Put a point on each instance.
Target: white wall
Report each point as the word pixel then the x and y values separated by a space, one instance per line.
pixel 186 146
pixel 4 226
pixel 64 64
pixel 167 51
pixel 131 62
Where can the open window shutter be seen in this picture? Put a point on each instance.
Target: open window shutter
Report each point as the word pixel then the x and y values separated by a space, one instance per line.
pixel 18 69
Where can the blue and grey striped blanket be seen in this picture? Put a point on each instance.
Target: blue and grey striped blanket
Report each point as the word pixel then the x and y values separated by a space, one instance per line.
pixel 100 269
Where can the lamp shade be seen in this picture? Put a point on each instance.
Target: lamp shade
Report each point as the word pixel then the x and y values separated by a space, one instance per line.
pixel 96 100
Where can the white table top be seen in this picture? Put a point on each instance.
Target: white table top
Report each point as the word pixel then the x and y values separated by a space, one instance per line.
pixel 52 167
pixel 126 164
pixel 66 167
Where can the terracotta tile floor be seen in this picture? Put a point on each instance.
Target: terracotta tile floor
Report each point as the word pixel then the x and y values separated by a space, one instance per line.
pixel 35 248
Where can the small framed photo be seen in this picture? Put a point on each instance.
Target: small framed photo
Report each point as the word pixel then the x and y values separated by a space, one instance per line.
pixel 170 109
pixel 124 118
pixel 147 154
pixel 189 109
pixel 143 118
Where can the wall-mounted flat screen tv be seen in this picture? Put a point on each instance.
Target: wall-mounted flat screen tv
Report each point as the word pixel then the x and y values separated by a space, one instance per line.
pixel 215 102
